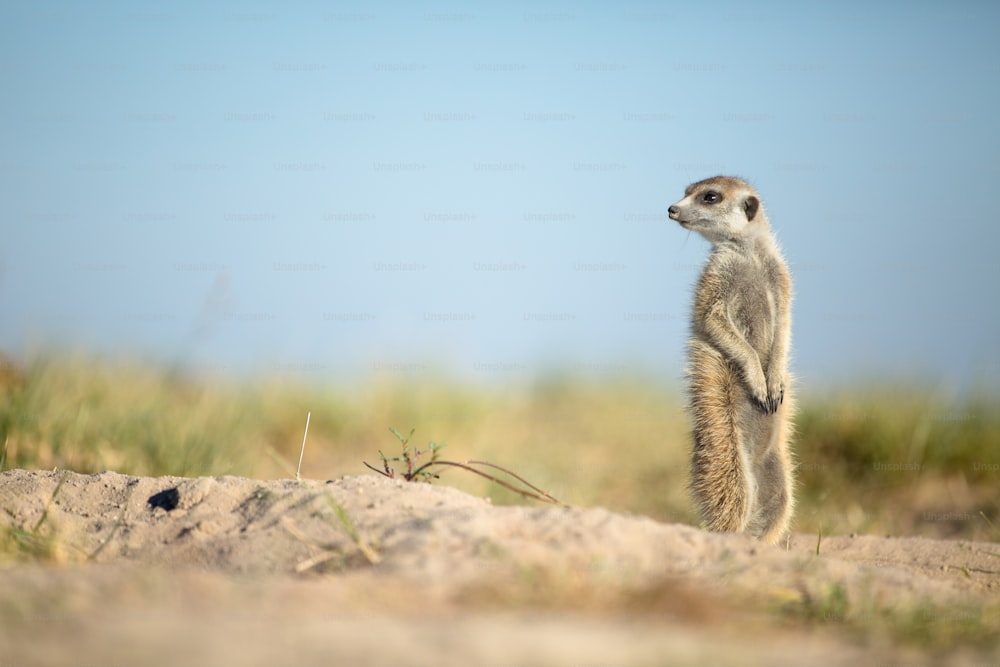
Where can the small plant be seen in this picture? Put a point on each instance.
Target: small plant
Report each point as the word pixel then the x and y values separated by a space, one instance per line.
pixel 410 458
pixel 423 471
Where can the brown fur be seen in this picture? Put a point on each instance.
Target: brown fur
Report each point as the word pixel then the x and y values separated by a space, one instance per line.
pixel 740 388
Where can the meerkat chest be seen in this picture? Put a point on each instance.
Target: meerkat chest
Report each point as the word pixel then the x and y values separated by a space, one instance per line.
pixel 752 309
pixel 745 287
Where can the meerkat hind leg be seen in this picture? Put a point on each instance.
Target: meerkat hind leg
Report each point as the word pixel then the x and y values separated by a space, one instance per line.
pixel 773 509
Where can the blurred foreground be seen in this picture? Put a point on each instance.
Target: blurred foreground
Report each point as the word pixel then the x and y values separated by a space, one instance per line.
pixel 108 569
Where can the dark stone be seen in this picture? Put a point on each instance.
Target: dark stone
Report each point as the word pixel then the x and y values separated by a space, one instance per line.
pixel 167 499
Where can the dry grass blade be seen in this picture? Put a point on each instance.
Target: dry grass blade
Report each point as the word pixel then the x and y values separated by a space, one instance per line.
pixel 315 561
pixel 48 505
pixel 324 556
pixel 328 553
pixel 298 476
pixel 990 523
pixel 114 529
pixel 363 546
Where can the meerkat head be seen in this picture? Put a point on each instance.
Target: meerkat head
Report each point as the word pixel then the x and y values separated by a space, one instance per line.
pixel 721 208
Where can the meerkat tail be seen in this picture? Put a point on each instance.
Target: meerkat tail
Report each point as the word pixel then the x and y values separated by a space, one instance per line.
pixel 720 479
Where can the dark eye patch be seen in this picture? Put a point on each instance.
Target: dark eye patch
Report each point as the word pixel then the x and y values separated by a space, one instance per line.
pixel 711 197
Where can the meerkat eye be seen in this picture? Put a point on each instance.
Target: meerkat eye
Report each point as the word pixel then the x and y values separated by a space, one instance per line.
pixel 711 197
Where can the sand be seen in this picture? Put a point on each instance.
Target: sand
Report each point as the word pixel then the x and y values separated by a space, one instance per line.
pixel 366 570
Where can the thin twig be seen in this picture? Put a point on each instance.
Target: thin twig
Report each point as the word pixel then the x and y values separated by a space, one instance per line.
pixel 371 467
pixel 541 496
pixel 414 471
pixel 302 451
pixel 515 476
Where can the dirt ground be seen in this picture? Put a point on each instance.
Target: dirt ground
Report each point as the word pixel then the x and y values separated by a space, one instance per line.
pixel 111 569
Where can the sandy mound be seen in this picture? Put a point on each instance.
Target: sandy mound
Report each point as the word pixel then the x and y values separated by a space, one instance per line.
pixel 375 571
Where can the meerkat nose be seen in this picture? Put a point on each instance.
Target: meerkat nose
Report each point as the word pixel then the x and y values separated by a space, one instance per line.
pixel 673 210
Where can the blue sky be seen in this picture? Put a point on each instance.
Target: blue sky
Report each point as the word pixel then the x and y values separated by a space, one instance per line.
pixel 339 190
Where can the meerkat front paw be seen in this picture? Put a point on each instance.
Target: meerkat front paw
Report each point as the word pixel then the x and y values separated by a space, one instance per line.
pixel 768 404
pixel 759 392
pixel 775 395
pixel 768 397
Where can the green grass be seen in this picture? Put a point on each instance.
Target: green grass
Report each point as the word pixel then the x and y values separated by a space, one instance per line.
pixel 39 543
pixel 901 461
pixel 882 460
pixel 934 627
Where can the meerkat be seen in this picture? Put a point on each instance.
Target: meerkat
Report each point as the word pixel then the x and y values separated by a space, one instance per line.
pixel 740 394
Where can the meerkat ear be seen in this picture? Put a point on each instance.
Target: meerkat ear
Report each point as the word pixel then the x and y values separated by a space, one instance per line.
pixel 750 206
